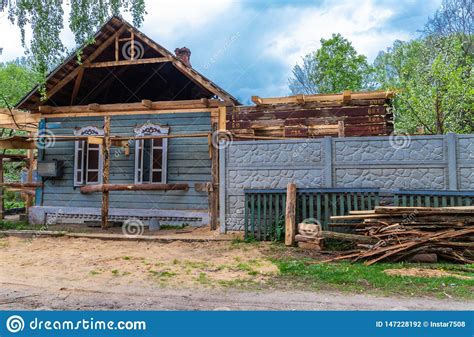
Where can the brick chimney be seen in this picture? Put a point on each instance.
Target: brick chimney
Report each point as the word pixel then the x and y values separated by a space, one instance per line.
pixel 184 54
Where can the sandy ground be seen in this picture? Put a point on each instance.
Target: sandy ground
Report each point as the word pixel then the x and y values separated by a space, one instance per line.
pixel 67 273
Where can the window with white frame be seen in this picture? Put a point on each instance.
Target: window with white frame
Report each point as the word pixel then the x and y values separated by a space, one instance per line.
pixel 151 154
pixel 87 158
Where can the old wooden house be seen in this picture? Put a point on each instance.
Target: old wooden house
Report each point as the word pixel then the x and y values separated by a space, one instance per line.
pixel 132 131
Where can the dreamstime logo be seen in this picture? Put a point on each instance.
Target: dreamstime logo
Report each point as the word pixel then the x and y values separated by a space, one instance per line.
pixel 399 141
pixel 133 53
pixel 45 139
pixel 15 324
pixel 222 139
pixel 133 228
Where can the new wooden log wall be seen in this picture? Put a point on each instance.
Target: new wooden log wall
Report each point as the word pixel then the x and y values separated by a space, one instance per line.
pixel 361 117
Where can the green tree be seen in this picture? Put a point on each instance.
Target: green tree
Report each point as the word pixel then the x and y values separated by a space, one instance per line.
pixel 434 85
pixel 16 79
pixel 45 17
pixel 334 67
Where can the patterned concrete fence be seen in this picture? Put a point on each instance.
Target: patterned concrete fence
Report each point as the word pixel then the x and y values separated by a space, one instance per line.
pixel 406 162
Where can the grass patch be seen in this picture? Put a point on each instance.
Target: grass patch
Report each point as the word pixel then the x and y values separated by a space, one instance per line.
pixel 372 279
pixel 94 272
pixel 17 225
pixel 162 274
pixel 203 279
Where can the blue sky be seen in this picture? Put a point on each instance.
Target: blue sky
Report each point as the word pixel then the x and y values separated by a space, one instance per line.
pixel 249 47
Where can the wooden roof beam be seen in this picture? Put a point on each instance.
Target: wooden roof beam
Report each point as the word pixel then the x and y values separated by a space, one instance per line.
pixel 127 62
pixel 144 104
pixel 92 57
pixel 345 97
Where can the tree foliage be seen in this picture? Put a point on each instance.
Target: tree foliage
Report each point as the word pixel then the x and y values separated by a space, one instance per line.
pixel 17 78
pixel 334 67
pixel 46 17
pixel 434 84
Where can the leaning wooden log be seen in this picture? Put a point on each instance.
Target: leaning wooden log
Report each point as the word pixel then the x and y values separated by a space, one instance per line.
pixel 133 187
pixel 348 237
pixel 22 185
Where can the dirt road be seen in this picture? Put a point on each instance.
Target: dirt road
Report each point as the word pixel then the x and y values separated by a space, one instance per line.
pixel 61 273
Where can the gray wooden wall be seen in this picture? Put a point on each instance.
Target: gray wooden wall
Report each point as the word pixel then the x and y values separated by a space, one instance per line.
pixel 188 162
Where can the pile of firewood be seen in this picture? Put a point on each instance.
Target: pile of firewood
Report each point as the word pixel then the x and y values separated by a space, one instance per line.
pixel 418 234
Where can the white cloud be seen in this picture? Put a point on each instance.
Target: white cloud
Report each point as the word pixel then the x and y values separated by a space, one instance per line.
pixel 362 22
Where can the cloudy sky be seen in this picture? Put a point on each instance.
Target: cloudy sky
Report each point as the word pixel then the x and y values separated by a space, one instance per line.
pixel 249 47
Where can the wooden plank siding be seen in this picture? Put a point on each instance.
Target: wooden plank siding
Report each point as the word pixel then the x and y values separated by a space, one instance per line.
pixel 188 162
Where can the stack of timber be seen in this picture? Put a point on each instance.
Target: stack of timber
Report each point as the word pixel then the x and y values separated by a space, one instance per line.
pixel 301 116
pixel 417 234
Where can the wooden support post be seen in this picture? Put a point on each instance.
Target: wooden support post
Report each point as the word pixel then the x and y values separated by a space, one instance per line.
pixel 106 172
pixel 2 207
pixel 340 129
pixel 214 192
pixel 290 215
pixel 30 166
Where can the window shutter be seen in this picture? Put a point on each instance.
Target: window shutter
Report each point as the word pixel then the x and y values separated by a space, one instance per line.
pixel 139 161
pixel 79 162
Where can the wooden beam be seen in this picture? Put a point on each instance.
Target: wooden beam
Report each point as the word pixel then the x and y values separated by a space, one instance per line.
pixel 106 172
pixel 29 178
pixel 77 85
pixel 370 95
pixel 222 118
pixel 257 100
pixel 127 62
pixel 16 142
pixel 290 215
pixel 340 129
pixel 346 96
pixel 93 107
pixel 2 203
pixel 214 191
pixel 147 103
pixel 139 106
pixel 91 58
pixel 22 185
pixel 133 187
pixel 95 140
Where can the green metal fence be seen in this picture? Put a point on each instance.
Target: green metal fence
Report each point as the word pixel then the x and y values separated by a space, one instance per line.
pixel 414 198
pixel 264 213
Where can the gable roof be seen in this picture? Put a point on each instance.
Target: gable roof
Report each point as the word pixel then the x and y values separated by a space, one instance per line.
pixel 63 76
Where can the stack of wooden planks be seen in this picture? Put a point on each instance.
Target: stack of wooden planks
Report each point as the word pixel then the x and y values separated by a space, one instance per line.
pixel 363 114
pixel 412 233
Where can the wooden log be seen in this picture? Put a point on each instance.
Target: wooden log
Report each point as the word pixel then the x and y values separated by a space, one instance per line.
pixel 348 237
pixel 133 187
pixel 22 185
pixel 106 172
pixel 30 167
pixel 2 204
pixel 305 238
pixel 423 258
pixel 290 215
pixel 214 192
